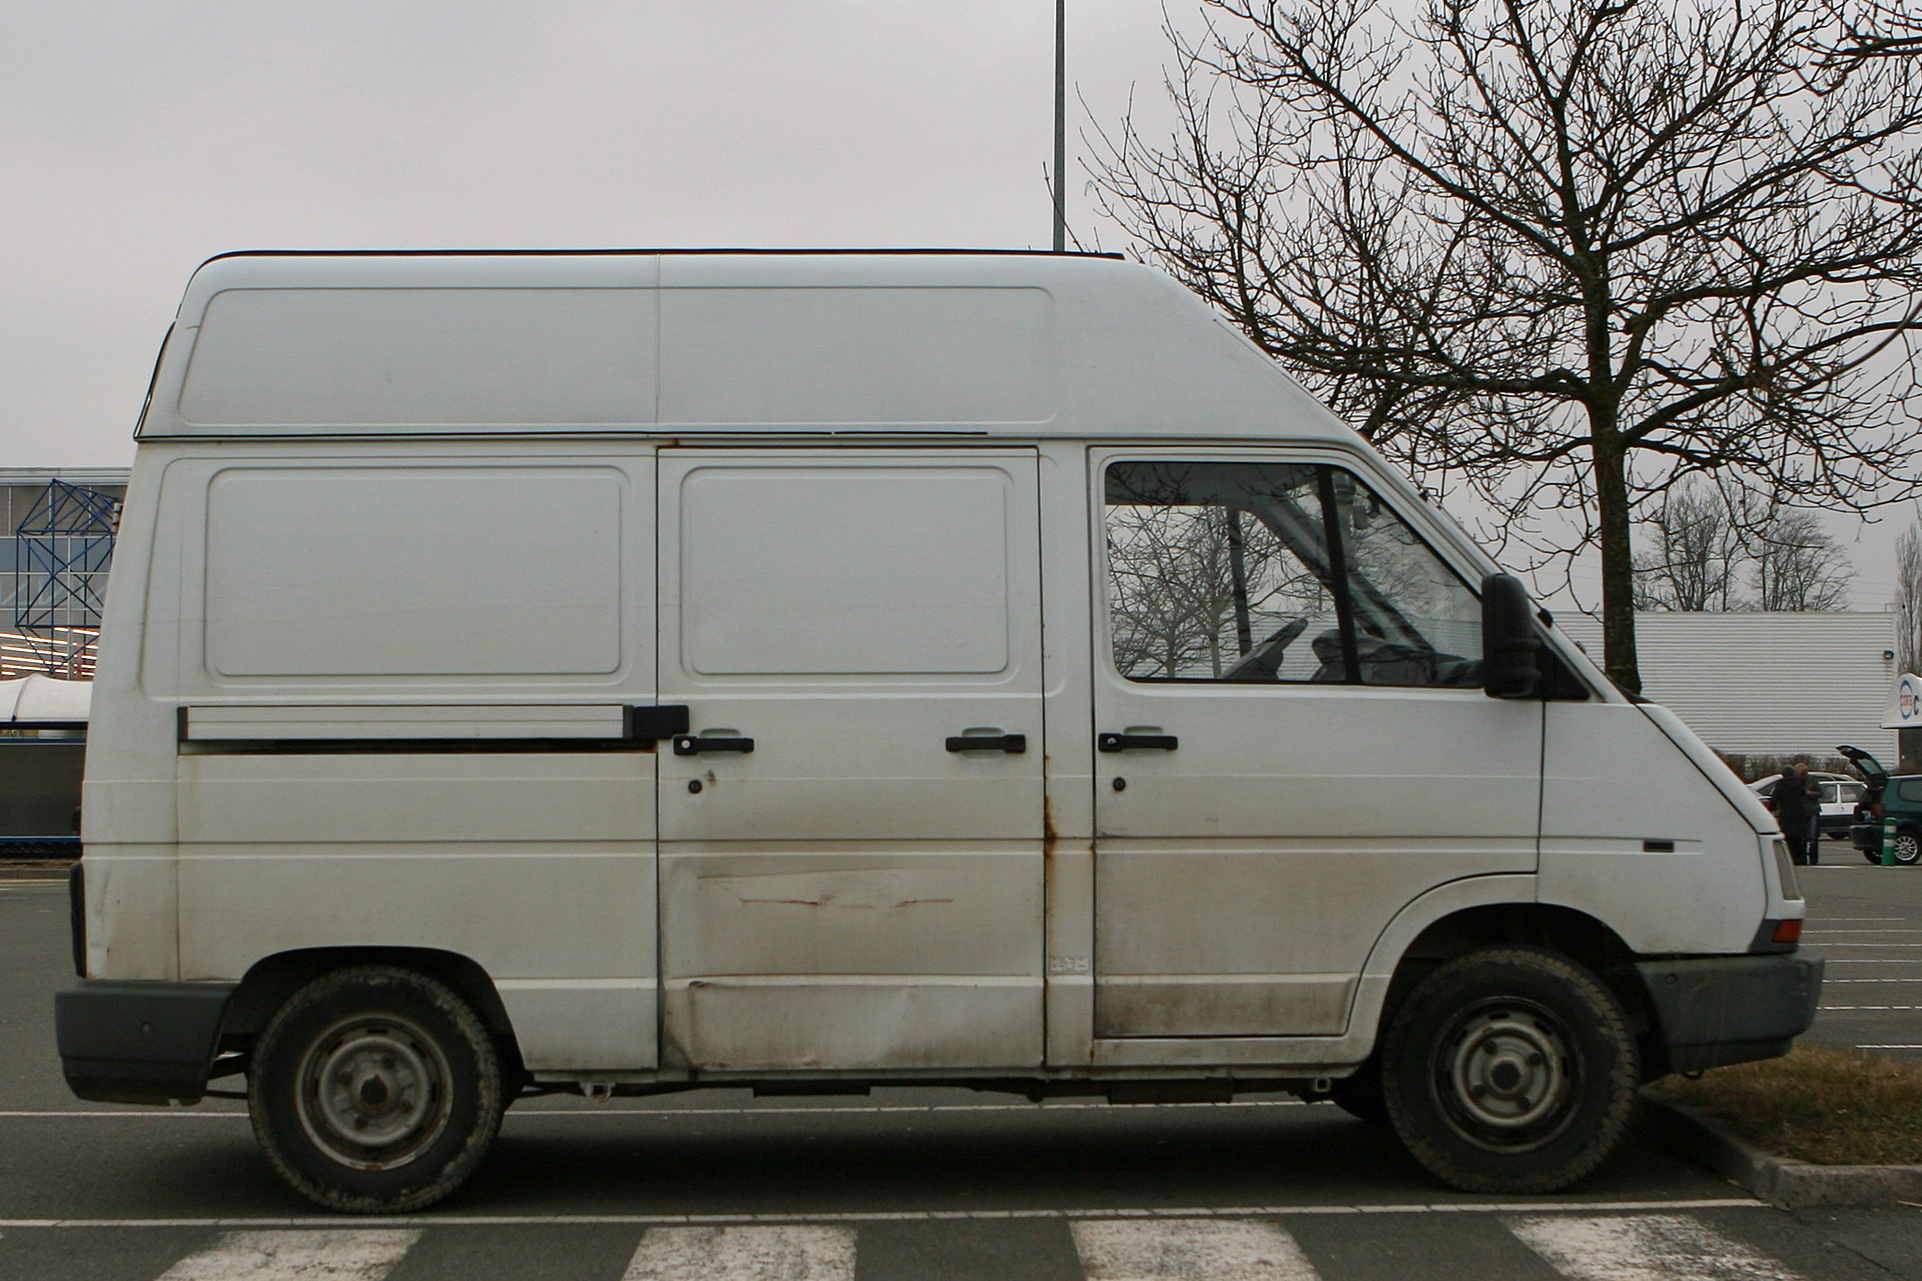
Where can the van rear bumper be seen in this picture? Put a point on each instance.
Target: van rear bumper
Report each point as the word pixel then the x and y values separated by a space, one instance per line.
pixel 1717 1010
pixel 138 1042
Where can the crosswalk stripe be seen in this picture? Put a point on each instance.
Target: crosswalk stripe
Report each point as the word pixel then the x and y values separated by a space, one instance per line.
pixel 792 1252
pixel 1188 1250
pixel 314 1254
pixel 1652 1247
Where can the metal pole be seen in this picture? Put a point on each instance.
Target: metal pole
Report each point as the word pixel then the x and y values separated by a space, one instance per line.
pixel 1060 125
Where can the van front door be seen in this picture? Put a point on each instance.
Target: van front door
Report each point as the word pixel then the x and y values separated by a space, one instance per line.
pixel 851 834
pixel 1292 741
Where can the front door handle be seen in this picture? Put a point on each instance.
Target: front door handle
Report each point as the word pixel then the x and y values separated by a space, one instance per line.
pixel 1128 742
pixel 1012 744
pixel 695 744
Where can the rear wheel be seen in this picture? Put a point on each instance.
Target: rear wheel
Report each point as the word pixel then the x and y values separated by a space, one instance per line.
pixel 375 1090
pixel 1908 848
pixel 1510 1069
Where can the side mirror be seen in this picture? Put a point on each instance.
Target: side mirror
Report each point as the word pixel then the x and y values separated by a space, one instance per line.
pixel 1509 642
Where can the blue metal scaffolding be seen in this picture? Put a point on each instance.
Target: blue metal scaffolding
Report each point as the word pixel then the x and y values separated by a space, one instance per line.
pixel 61 554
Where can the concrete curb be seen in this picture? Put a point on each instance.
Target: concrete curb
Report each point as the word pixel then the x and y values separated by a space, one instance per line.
pixel 1690 1132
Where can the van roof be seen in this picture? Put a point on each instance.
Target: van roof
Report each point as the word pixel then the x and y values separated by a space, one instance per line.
pixel 722 342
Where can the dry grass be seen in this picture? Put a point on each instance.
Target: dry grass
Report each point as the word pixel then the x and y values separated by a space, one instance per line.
pixel 1827 1106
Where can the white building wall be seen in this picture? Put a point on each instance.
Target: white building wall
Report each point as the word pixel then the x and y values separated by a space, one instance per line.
pixel 1766 683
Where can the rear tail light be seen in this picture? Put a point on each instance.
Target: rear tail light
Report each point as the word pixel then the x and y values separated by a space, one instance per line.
pixel 1777 934
pixel 1785 871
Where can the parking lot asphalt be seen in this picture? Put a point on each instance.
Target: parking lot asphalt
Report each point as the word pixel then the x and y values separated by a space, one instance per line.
pixel 915 1183
pixel 1866 920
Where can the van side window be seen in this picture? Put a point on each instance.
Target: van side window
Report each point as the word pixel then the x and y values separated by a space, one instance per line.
pixel 1266 572
pixel 1416 623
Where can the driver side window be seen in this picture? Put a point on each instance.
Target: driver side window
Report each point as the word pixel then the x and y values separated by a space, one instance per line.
pixel 1267 572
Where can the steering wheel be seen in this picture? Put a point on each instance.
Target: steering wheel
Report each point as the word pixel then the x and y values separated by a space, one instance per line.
pixel 1263 662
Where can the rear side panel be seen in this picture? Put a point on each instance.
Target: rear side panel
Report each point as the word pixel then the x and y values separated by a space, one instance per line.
pixel 394 683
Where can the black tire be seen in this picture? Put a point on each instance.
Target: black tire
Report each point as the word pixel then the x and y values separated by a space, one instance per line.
pixel 1511 1070
pixel 375 1090
pixel 1908 848
pixel 1360 1095
pixel 1873 856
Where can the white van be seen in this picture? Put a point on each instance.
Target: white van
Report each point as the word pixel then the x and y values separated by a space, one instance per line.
pixel 633 672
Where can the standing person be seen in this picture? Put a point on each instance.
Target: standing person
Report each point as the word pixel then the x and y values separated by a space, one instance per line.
pixel 1815 824
pixel 1794 799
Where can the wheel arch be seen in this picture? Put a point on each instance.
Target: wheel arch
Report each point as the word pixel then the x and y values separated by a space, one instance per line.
pixel 1459 917
pixel 272 979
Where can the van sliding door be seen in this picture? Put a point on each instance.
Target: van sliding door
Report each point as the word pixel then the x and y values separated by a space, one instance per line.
pixel 851 836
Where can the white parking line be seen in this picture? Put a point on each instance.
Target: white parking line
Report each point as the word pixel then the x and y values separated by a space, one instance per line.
pixel 1872 1007
pixel 1889 1047
pixel 1655 1247
pixel 191 1114
pixel 602 1113
pixel 910 1216
pixel 1189 1250
pixel 794 1252
pixel 1822 933
pixel 343 1254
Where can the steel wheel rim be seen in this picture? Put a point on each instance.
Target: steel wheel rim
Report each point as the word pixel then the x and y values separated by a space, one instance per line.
pixel 1505 1074
pixel 373 1092
pixel 1907 848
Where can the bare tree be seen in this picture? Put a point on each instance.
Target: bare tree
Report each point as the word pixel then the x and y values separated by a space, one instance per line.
pixel 1798 566
pixel 1876 29
pixel 1908 599
pixel 1562 254
pixel 1697 559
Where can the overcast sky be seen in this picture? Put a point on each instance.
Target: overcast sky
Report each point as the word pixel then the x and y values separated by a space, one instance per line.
pixel 141 138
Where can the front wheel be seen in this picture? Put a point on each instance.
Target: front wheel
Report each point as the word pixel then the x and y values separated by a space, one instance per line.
pixel 375 1090
pixel 1510 1069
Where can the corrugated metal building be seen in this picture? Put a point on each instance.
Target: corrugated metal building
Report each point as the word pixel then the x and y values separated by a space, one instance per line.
pixel 1773 684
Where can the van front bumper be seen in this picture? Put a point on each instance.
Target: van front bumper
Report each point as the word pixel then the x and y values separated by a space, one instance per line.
pixel 139 1042
pixel 1717 1010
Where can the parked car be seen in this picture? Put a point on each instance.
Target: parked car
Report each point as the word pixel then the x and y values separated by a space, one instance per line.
pixel 1840 795
pixel 1899 798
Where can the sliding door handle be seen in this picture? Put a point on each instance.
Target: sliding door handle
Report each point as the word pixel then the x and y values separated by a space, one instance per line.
pixel 695 744
pixel 1128 742
pixel 1012 744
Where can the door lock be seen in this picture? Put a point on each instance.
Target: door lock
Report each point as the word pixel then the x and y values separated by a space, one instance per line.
pixel 695 744
pixel 1129 742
